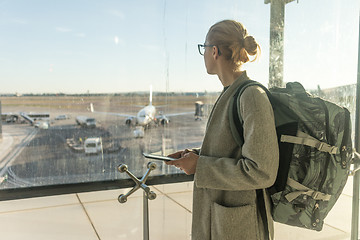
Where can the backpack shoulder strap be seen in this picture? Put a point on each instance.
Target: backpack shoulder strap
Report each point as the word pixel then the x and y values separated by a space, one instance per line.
pixel 235 118
pixel 236 126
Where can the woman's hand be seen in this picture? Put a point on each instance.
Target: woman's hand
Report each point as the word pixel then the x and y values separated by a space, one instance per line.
pixel 179 154
pixel 185 160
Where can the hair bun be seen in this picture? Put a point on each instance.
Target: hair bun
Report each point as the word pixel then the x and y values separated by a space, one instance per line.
pixel 250 45
pixel 234 42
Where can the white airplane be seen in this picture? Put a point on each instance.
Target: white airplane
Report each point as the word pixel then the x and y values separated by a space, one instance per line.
pixel 145 116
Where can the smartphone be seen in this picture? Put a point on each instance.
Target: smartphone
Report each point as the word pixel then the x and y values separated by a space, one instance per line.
pixel 158 157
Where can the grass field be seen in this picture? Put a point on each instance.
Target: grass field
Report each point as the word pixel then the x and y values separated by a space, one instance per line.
pixel 103 103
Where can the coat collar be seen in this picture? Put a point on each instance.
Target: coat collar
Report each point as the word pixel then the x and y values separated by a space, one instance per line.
pixel 237 82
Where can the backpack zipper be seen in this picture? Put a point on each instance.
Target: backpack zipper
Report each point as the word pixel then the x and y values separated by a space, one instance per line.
pixel 327 131
pixel 343 147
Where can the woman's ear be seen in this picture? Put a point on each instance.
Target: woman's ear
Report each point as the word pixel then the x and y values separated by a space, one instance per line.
pixel 215 52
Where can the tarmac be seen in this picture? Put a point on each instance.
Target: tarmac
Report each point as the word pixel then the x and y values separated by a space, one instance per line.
pixel 99 215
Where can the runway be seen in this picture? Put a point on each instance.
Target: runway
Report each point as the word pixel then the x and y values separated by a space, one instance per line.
pixel 42 157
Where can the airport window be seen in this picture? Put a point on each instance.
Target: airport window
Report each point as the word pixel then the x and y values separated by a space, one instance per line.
pixel 74 79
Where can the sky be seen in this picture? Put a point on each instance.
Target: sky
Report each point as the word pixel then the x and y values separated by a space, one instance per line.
pixel 109 46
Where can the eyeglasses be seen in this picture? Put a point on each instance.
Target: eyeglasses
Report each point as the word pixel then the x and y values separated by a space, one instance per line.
pixel 201 48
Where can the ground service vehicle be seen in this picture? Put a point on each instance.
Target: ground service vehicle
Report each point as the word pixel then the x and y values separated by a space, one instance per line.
pixel 93 145
pixel 86 121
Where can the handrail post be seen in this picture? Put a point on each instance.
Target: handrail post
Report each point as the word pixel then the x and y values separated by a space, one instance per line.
pixel 356 179
pixel 147 194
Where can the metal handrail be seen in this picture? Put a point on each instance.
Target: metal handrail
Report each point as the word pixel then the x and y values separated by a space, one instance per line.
pixel 356 185
pixel 356 161
pixel 69 188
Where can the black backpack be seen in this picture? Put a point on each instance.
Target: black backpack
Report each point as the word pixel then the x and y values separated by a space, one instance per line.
pixel 315 147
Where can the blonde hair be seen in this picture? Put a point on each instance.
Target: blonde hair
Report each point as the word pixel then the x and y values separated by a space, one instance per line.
pixel 233 41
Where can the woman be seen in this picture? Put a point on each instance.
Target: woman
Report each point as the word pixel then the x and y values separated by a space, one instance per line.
pixel 227 175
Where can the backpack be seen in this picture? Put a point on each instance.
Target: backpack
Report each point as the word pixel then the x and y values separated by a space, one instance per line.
pixel 315 147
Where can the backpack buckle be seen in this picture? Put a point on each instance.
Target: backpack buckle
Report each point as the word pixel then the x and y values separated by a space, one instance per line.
pixel 315 195
pixel 324 147
pixel 320 146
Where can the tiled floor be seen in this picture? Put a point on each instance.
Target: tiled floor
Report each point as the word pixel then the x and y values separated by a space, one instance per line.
pixel 98 215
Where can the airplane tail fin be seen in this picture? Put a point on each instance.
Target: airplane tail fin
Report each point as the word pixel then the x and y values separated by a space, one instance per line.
pixel 150 97
pixel 91 107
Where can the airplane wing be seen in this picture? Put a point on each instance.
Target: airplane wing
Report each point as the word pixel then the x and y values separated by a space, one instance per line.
pixel 110 113
pixel 175 114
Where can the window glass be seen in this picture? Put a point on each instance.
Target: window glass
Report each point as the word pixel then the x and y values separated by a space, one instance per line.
pixel 74 75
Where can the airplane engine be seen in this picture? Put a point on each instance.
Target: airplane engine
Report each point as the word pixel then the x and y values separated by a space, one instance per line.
pixel 164 121
pixel 130 122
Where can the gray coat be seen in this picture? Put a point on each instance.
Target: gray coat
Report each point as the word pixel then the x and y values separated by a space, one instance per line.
pixel 227 175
